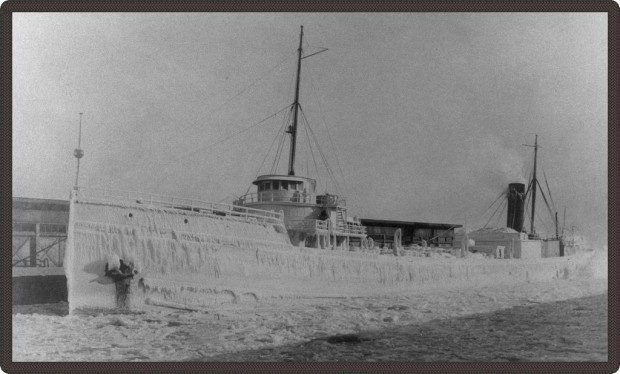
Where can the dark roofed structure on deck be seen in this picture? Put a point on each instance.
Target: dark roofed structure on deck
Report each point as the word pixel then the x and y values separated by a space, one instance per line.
pixel 382 232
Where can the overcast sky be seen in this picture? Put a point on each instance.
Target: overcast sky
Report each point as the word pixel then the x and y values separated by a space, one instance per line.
pixel 421 117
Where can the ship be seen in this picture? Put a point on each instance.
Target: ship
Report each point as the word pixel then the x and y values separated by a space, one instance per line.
pixel 311 219
pixel 514 240
pixel 134 250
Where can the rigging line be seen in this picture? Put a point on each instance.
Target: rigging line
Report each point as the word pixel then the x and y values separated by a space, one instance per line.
pixel 493 215
pixel 211 145
pixel 175 161
pixel 529 187
pixel 503 193
pixel 525 205
pixel 328 133
pixel 316 168
pixel 182 134
pixel 237 94
pixel 287 121
pixel 308 46
pixel 545 199
pixel 499 216
pixel 499 207
pixel 329 171
pixel 269 150
pixel 549 190
pixel 276 160
pixel 243 90
pixel 254 82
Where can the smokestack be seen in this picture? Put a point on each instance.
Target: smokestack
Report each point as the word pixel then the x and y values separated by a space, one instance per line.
pixel 516 207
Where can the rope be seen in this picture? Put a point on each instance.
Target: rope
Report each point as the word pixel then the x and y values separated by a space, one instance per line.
pixel 329 171
pixel 546 203
pixel 312 152
pixel 269 150
pixel 211 145
pixel 503 193
pixel 328 133
pixel 504 202
pixel 549 190
pixel 276 160
pixel 182 134
pixel 496 209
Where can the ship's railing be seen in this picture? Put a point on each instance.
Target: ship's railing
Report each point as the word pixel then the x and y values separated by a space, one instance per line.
pixel 292 196
pixel 278 196
pixel 317 224
pixel 133 197
pixel 355 229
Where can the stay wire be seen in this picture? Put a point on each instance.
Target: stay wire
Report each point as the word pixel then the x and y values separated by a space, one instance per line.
pixel 316 168
pixel 269 150
pixel 327 167
pixel 499 216
pixel 493 215
pixel 549 190
pixel 209 114
pixel 242 91
pixel 328 133
pixel 546 202
pixel 329 171
pixel 276 160
pixel 211 145
pixel 286 120
pixel 503 193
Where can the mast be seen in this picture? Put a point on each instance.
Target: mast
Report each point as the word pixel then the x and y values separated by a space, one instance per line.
pixel 534 181
pixel 564 221
pixel 293 129
pixel 78 152
pixel 556 226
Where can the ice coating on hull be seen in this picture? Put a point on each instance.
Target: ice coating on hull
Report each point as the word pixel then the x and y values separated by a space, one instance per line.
pixel 195 260
pixel 168 246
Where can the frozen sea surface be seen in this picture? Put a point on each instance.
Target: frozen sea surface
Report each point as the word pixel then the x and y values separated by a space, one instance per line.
pixel 444 324
pixel 567 330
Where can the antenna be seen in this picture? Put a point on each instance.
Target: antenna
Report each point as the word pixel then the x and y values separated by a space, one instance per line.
pixel 78 152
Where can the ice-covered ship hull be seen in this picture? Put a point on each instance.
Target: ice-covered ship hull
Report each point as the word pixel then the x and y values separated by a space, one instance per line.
pixel 192 255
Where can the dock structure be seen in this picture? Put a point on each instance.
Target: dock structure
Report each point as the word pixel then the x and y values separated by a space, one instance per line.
pixel 39 238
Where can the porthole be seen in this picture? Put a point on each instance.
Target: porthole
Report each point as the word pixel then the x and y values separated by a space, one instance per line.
pixel 185 220
pixel 130 215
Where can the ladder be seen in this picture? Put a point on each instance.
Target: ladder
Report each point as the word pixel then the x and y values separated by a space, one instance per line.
pixel 341 220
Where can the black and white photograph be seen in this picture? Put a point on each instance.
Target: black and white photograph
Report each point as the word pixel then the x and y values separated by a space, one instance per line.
pixel 310 187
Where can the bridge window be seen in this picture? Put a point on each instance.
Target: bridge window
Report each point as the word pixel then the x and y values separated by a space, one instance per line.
pixel 276 185
pixel 264 186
